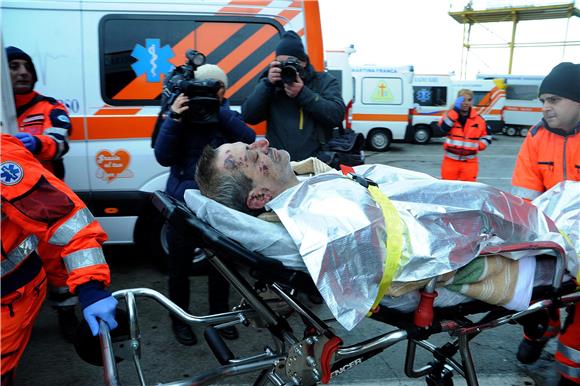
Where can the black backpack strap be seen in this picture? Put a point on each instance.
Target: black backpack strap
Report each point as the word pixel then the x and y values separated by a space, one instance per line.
pixel 33 101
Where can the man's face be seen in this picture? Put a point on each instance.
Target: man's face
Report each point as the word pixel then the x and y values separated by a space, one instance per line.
pixel 467 103
pixel 265 166
pixel 560 113
pixel 21 76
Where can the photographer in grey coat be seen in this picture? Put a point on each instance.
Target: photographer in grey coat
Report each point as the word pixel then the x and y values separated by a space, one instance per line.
pixel 302 106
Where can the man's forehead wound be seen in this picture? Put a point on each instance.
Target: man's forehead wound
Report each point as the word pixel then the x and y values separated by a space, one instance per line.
pixel 230 162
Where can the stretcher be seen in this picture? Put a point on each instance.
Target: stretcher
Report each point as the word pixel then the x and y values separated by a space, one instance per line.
pixel 317 354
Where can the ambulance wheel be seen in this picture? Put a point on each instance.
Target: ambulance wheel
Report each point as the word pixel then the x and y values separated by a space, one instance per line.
pixel 524 131
pixel 511 131
pixel 151 239
pixel 422 135
pixel 379 139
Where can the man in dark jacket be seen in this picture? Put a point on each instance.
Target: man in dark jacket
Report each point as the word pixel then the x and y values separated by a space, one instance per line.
pixel 301 112
pixel 179 145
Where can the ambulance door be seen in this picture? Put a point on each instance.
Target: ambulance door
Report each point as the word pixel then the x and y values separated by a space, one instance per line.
pixel 55 47
pixel 522 105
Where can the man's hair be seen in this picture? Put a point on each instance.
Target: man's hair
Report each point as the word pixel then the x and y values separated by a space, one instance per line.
pixel 228 188
pixel 465 91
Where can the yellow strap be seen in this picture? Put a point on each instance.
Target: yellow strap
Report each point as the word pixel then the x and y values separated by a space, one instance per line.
pixel 565 236
pixel 394 241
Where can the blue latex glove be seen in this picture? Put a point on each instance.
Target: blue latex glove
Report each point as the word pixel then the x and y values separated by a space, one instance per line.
pixel 102 309
pixel 28 141
pixel 458 102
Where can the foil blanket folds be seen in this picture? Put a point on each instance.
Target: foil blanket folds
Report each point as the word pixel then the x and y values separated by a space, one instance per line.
pixel 340 231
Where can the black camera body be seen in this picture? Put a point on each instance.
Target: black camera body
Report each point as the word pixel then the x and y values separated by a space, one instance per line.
pixel 290 69
pixel 203 103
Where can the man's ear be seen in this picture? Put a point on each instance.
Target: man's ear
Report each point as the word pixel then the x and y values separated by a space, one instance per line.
pixel 258 198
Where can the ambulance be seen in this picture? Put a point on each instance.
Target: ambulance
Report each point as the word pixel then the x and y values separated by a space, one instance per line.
pixel 430 100
pixel 435 94
pixel 106 61
pixel 383 97
pixel 523 108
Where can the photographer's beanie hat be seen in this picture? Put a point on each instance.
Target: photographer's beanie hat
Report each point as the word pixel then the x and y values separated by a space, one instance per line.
pixel 291 45
pixel 564 81
pixel 13 53
pixel 211 71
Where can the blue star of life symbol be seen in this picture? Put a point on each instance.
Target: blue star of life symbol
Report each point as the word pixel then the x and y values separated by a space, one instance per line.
pixel 10 173
pixel 423 95
pixel 152 59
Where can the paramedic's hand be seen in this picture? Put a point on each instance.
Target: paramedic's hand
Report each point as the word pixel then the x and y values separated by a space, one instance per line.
pixel 458 102
pixel 292 90
pixel 28 141
pixel 180 105
pixel 102 309
pixel 275 72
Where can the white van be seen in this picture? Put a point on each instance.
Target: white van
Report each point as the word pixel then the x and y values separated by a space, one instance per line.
pixel 336 62
pixel 383 97
pixel 431 95
pixel 106 60
pixel 523 108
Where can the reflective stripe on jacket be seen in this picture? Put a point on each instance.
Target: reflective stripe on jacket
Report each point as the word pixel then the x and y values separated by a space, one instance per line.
pixel 547 157
pixel 48 120
pixel 39 208
pixel 464 142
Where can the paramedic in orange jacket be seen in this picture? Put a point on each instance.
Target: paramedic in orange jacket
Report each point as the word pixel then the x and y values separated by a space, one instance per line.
pixel 44 127
pixel 37 209
pixel 551 154
pixel 466 136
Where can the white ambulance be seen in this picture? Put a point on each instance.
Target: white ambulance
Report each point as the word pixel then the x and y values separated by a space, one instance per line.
pixel 383 97
pixel 523 108
pixel 106 60
pixel 431 96
pixel 336 62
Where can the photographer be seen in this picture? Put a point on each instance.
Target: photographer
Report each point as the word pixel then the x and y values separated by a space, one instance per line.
pixel 188 126
pixel 302 106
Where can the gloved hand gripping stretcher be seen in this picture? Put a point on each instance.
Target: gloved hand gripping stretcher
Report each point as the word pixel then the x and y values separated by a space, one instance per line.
pixel 440 233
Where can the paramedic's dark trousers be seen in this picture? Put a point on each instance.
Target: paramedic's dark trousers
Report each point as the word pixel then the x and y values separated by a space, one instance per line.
pixel 181 254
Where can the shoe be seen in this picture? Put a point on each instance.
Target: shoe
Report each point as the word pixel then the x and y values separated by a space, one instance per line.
pixel 315 298
pixel 183 333
pixel 529 351
pixel 67 322
pixel 229 333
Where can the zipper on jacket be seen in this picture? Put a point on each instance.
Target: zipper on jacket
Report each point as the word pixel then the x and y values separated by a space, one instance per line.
pixel 300 126
pixel 564 163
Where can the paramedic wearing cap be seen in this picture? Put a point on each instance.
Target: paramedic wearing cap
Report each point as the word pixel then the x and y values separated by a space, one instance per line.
pixel 551 154
pixel 466 136
pixel 179 145
pixel 38 208
pixel 300 115
pixel 44 127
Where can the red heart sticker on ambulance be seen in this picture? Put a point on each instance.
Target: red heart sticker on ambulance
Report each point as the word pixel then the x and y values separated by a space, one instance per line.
pixel 112 164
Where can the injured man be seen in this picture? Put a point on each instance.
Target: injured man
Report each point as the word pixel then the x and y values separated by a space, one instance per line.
pixel 383 233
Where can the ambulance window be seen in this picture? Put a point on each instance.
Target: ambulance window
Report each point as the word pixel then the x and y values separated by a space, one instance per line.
pixel 382 91
pixel 138 51
pixel 528 92
pixel 430 96
pixel 478 97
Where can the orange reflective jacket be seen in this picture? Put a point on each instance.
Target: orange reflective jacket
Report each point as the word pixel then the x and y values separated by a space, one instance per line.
pixel 464 142
pixel 48 120
pixel 38 208
pixel 547 156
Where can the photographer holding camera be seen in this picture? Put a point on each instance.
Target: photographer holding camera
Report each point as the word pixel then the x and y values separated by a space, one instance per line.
pixel 195 114
pixel 302 106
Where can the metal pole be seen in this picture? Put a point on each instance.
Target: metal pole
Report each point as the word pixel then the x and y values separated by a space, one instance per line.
pixel 512 43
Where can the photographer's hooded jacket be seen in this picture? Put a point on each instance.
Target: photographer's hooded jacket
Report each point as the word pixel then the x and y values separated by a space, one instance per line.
pixel 179 145
pixel 298 125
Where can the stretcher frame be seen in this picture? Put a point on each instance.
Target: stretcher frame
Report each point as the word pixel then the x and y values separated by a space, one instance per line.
pixel 319 355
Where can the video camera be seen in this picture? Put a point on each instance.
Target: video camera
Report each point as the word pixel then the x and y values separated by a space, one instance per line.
pixel 290 69
pixel 203 102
